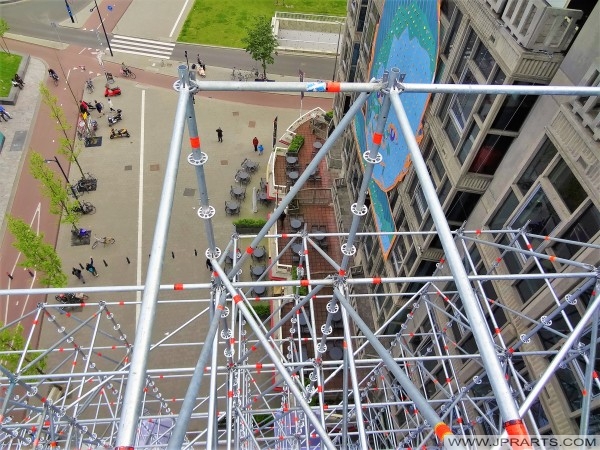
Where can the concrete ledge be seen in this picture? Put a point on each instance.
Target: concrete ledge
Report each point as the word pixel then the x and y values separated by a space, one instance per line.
pixel 14 91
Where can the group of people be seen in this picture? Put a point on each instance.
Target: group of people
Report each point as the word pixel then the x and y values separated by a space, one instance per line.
pixel 4 114
pixel 18 81
pixel 89 267
pixel 257 146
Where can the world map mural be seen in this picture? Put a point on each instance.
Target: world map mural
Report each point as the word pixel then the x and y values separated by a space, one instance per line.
pixel 407 38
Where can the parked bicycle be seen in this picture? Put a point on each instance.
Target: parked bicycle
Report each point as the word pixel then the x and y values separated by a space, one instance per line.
pixel 85 208
pixel 89 85
pixel 105 240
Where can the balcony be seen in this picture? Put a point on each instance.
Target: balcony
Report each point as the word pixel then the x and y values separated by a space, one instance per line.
pixel 536 25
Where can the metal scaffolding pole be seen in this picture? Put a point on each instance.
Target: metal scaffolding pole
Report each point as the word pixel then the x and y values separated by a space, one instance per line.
pixel 506 403
pixel 132 400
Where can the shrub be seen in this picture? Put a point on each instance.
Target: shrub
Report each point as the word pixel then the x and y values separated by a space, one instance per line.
pixel 296 144
pixel 302 290
pixel 262 309
pixel 329 116
pixel 249 223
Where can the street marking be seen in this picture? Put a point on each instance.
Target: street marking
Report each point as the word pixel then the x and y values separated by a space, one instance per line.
pixel 138 294
pixel 144 47
pixel 178 18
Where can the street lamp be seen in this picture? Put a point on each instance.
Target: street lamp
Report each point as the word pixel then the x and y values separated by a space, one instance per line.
pixel 55 159
pixel 337 50
pixel 103 29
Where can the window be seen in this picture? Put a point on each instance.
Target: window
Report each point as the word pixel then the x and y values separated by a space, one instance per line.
pixel 540 213
pixel 498 220
pixel 361 16
pixel 462 206
pixel 444 191
pixel 452 33
pixel 484 60
pixel 486 106
pixel 438 165
pixel 466 53
pixel 528 287
pixel 419 202
pixel 490 154
pixel 468 143
pixel 452 133
pixel 462 104
pixel 537 165
pixel 513 112
pixel 567 185
pixel 355 55
pixel 447 7
pixel 583 230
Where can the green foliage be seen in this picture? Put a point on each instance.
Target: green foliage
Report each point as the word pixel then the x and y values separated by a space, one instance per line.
pixel 260 42
pixel 36 253
pixel 12 340
pixel 296 144
pixel 329 116
pixel 67 147
pixel 3 29
pixel 52 188
pixel 249 223
pixel 301 290
pixel 262 309
pixel 262 419
pixel 223 23
pixel 9 65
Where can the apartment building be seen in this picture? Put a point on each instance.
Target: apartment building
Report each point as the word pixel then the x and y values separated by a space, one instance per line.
pixel 498 162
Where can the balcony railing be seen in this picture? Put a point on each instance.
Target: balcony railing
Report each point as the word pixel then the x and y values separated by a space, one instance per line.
pixel 536 25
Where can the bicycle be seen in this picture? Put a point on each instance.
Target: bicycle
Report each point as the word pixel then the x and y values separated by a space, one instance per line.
pixel 85 208
pixel 105 240
pixel 127 73
pixel 89 85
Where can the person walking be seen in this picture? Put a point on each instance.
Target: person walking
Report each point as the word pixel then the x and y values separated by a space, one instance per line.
pixel 255 143
pixel 90 267
pixel 209 264
pixel 110 105
pixel 4 114
pixel 99 107
pixel 260 149
pixel 78 274
pixel 219 134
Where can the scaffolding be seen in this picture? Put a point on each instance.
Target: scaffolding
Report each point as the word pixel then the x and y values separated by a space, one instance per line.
pixel 289 380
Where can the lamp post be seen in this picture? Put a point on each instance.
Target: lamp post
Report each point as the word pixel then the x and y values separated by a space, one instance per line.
pixel 103 29
pixel 337 50
pixel 55 159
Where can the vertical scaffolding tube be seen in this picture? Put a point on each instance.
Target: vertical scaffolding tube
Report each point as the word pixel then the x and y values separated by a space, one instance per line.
pixel 587 384
pixel 508 408
pixel 132 400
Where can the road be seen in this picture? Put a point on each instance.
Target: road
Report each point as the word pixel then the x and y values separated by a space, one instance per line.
pixel 35 19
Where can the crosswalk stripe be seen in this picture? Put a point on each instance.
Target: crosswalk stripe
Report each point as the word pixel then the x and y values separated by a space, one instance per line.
pixel 144 47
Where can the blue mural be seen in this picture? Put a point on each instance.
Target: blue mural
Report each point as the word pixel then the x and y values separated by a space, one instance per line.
pixel 407 38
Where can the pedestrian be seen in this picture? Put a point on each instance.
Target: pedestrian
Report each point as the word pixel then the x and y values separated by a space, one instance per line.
pixel 220 134
pixel 78 274
pixel 4 114
pixel 260 149
pixel 110 105
pixel 199 60
pixel 84 107
pixel 90 267
pixel 209 264
pixel 255 143
pixel 98 106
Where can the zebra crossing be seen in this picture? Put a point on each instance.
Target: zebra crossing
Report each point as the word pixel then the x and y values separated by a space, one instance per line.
pixel 144 47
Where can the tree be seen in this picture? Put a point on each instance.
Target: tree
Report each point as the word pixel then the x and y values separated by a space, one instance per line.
pixel 261 42
pixel 37 254
pixel 52 188
pixel 3 29
pixel 67 147
pixel 12 340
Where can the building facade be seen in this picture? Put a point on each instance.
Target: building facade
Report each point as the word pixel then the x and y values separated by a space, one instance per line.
pixel 498 162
